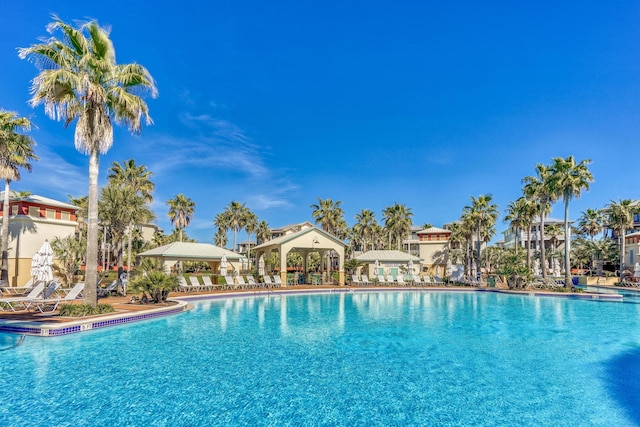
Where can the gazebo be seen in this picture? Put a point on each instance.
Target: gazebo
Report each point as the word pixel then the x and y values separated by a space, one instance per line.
pixel 175 252
pixel 305 241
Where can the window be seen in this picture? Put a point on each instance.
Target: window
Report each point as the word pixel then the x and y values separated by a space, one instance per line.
pixel 14 210
pixel 66 216
pixel 51 214
pixel 34 211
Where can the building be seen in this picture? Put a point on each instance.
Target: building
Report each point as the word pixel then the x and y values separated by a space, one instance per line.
pixel 289 229
pixel 553 240
pixel 432 246
pixel 32 220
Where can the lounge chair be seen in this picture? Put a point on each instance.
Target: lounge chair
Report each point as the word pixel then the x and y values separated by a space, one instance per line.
pixel 208 284
pixel 195 284
pixel 268 283
pixel 230 284
pixel 400 281
pixel 390 280
pixel 51 304
pixel 242 284
pixel 355 280
pixel 251 281
pixel 13 303
pixel 18 291
pixel 382 280
pixel 183 285
pixel 366 281
pixel 113 287
pixel 277 281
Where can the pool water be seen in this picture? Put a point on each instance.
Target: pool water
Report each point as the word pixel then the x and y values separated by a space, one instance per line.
pixel 348 359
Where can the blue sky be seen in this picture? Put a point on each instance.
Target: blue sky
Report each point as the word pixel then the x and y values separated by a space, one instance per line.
pixel 275 104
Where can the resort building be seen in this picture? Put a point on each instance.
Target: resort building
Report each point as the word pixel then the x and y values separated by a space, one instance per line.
pixel 553 236
pixel 290 229
pixel 431 245
pixel 389 263
pixel 631 250
pixel 32 220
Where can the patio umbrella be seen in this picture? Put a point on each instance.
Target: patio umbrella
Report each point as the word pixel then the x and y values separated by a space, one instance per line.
pixel 556 267
pixel 410 267
pixel 536 267
pixel 261 266
pixel 42 263
pixel 376 266
pixel 223 265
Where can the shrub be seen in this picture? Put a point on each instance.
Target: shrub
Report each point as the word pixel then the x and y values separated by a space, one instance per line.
pixel 155 286
pixel 83 310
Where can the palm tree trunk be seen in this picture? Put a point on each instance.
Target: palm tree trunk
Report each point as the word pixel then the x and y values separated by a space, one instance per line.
pixel 4 276
pixel 91 267
pixel 529 245
pixel 622 251
pixel 567 247
pixel 124 287
pixel 542 248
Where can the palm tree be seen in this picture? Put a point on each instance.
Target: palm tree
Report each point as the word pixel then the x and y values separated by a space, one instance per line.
pixel 263 232
pixel 329 215
pixel 363 228
pixel 80 80
pixel 16 151
pixel 516 216
pixel 620 218
pixel 590 222
pixel 397 221
pixel 138 177
pixel 221 239
pixel 181 210
pixel 536 189
pixel 567 180
pixel 235 217
pixel 482 213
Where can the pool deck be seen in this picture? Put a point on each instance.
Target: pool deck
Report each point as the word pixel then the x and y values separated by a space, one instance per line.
pixel 50 324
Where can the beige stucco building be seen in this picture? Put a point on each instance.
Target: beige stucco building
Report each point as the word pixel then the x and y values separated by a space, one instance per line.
pixel 32 220
pixel 433 245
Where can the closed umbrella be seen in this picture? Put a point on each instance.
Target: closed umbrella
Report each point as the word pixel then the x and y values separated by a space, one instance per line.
pixel 448 268
pixel 261 266
pixel 410 267
pixel 223 265
pixel 42 264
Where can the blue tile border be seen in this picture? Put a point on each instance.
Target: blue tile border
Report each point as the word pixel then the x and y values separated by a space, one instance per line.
pixel 43 329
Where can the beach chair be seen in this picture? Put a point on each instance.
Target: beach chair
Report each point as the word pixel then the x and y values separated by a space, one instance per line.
pixel 230 284
pixel 417 281
pixel 18 291
pixel 22 303
pixel 355 280
pixel 382 280
pixel 400 281
pixel 113 287
pixel 277 281
pixel 51 304
pixel 366 281
pixel 268 283
pixel 183 286
pixel 208 284
pixel 242 284
pixel 195 284
pixel 251 281
pixel 390 280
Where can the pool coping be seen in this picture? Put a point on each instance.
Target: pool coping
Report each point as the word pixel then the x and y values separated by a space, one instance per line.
pixel 44 329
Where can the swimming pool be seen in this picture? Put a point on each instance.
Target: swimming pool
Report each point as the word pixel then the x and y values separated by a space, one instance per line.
pixel 379 358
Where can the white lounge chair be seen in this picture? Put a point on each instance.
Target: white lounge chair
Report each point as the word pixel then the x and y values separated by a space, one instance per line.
pixel 183 285
pixel 252 282
pixel 195 284
pixel 400 280
pixel 113 287
pixel 242 284
pixel 230 283
pixel 51 304
pixel 13 303
pixel 268 283
pixel 208 284
pixel 277 281
pixel 365 280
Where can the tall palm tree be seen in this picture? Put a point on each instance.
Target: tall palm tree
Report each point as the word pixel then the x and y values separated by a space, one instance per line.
pixel 516 217
pixel 567 180
pixel 16 151
pixel 221 239
pixel 329 215
pixel 138 177
pixel 398 222
pixel 181 209
pixel 591 222
pixel 80 80
pixel 236 215
pixel 482 213
pixel 620 218
pixel 263 232
pixel 363 228
pixel 536 189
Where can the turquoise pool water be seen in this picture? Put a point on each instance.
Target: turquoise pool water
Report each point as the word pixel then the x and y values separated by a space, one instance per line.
pixel 354 359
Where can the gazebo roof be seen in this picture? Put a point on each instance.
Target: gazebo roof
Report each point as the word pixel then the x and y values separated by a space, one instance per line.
pixel 387 256
pixel 191 251
pixel 288 237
